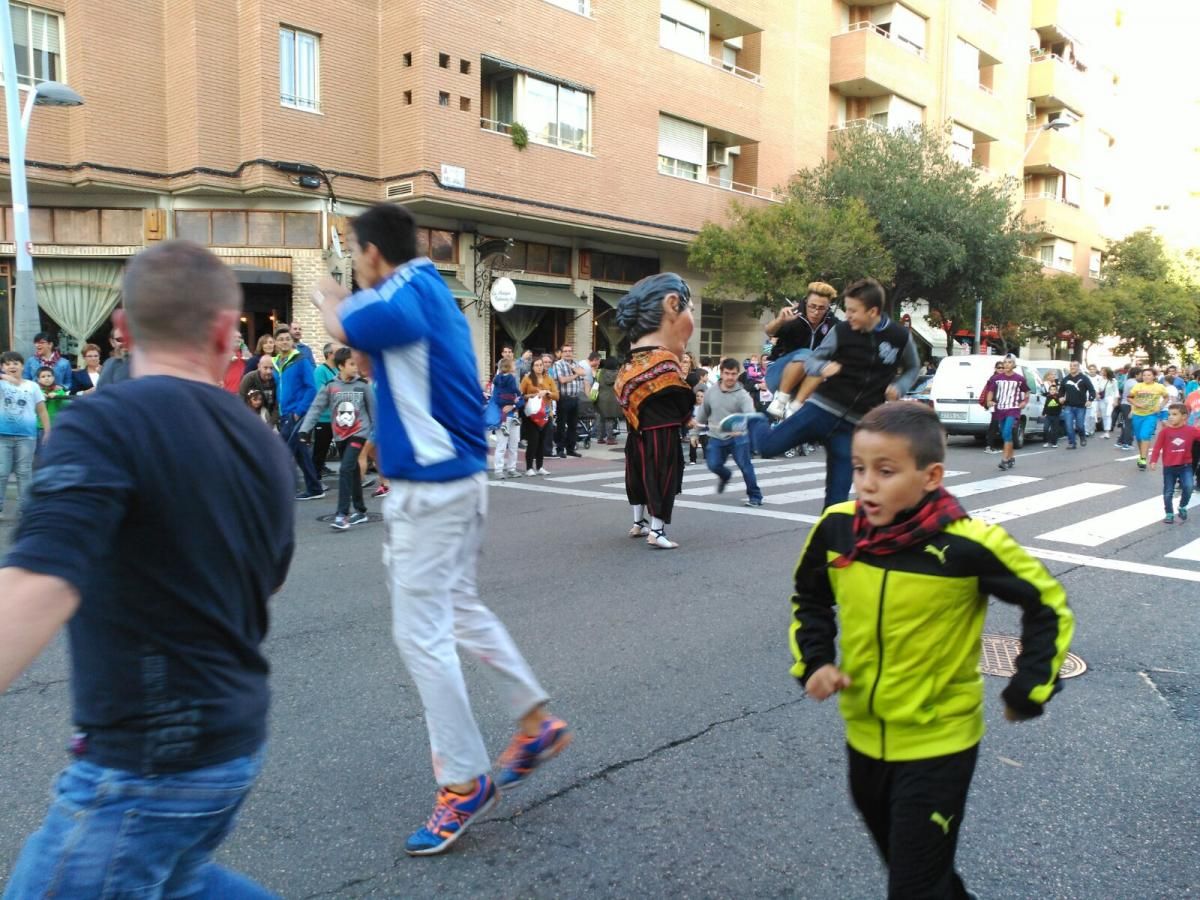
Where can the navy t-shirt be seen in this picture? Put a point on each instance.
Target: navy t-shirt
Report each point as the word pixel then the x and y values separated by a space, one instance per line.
pixel 180 500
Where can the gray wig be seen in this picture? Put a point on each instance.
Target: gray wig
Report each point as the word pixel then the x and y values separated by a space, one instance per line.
pixel 640 311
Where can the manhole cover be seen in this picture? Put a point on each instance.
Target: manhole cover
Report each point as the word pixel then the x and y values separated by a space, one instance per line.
pixel 371 517
pixel 1000 658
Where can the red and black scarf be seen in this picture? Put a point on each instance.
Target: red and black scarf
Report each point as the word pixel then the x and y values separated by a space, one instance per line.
pixel 937 510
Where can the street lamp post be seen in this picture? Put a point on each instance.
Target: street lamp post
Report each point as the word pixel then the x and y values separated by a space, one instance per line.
pixel 1057 125
pixel 49 93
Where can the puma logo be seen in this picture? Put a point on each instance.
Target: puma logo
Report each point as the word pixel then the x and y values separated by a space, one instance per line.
pixel 940 554
pixel 941 821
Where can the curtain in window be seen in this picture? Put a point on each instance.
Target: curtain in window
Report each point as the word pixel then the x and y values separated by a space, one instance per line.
pixel 287 65
pixel 78 294
pixel 306 69
pixel 520 322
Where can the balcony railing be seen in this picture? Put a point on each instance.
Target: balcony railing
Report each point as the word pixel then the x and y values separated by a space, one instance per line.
pixel 1037 55
pixel 898 41
pixel 576 146
pixel 858 123
pixel 752 77
pixel 674 169
pixel 1048 195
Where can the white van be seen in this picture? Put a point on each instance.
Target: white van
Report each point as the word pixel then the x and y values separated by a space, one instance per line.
pixel 957 386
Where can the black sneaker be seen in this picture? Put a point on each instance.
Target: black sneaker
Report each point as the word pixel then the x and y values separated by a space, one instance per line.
pixel 357 518
pixel 721 485
pixel 574 454
pixel 311 495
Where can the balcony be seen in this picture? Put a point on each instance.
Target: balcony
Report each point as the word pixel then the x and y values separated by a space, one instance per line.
pixel 923 8
pixel 976 108
pixel 865 61
pixel 977 24
pixel 1055 19
pixel 1053 83
pixel 576 143
pixel 1050 152
pixel 1059 218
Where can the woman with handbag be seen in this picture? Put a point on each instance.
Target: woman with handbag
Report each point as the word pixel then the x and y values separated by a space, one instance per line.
pixel 539 391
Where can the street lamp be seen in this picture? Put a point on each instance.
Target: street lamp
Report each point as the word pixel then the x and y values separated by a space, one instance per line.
pixel 49 93
pixel 1056 125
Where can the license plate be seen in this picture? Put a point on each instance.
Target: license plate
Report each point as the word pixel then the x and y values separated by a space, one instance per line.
pixel 953 416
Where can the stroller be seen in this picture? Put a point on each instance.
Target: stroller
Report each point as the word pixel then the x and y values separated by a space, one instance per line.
pixel 586 426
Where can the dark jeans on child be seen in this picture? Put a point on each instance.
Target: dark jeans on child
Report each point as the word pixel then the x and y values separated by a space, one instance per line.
pixel 1173 475
pixel 914 811
pixel 1053 429
pixel 349 477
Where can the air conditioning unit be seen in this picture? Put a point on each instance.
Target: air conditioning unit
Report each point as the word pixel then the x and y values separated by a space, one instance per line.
pixel 718 154
pixel 1031 110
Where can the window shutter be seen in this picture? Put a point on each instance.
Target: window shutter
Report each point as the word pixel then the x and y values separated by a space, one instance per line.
pixel 687 12
pixel 908 26
pixel 680 140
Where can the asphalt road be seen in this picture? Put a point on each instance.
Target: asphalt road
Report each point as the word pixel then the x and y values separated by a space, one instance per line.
pixel 698 769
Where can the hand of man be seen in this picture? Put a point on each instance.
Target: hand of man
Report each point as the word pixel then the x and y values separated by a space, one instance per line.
pixel 329 290
pixel 891 393
pixel 788 313
pixel 826 681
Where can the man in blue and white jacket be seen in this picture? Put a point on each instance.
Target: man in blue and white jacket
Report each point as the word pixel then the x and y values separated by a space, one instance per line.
pixel 432 448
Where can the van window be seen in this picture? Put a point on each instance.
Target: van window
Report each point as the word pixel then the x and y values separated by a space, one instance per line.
pixel 1031 379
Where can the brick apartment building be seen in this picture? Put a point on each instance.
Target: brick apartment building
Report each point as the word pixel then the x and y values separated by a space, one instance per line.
pixel 256 127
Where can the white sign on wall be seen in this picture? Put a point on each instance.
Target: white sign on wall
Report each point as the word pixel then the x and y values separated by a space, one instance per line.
pixel 454 176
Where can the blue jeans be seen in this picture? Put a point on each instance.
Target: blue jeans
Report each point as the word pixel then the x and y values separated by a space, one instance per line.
pixel 717 452
pixel 113 833
pixel 16 456
pixel 1073 418
pixel 811 424
pixel 1173 475
pixel 775 367
pixel 289 429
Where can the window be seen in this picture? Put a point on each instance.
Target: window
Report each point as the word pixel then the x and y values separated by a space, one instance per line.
pixel 1094 263
pixel 966 62
pixel 583 7
pixel 680 148
pixel 894 112
pixel 1071 189
pixel 902 25
pixel 552 113
pixel 242 228
pixel 444 60
pixel 440 246
pixel 539 259
pixel 464 104
pixel 1057 254
pixel 615 266
pixel 464 67
pixel 962 144
pixel 712 329
pixel 443 98
pixel 299 76
pixel 407 59
pixel 37 38
pixel 683 27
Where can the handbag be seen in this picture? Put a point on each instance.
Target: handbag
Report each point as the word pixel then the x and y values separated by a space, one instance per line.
pixel 535 411
pixel 594 393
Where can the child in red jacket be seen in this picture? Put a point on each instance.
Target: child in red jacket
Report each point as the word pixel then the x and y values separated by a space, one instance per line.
pixel 1174 445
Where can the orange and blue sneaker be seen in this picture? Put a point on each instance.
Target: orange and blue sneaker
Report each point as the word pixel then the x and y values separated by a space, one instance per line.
pixel 524 754
pixel 451 815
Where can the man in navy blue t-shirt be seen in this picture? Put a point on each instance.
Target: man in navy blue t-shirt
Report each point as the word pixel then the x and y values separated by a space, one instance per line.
pixel 433 450
pixel 165 611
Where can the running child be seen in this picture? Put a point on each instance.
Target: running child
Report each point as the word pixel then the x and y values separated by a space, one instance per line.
pixel 1052 410
pixel 1174 445
pixel 1006 394
pixel 352 405
pixel 911 692
pixel 1147 399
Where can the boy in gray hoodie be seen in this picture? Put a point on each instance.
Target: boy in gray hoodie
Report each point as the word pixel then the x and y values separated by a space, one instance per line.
pixel 725 399
pixel 351 403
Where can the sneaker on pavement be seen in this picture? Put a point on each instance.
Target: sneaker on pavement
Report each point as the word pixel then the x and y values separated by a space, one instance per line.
pixel 779 405
pixel 524 754
pixel 1183 514
pixel 722 483
pixel 1083 442
pixel 382 491
pixel 511 473
pixel 357 518
pixel 1168 519
pixel 367 482
pixel 451 815
pixel 754 501
pixel 529 473
pixel 1142 463
pixel 574 454
pixel 990 450
pixel 310 495
pixel 543 471
pixel 340 523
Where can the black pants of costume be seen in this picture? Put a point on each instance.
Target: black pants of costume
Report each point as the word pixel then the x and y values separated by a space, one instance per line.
pixel 654 470
pixel 914 810
pixel 566 424
pixel 349 477
pixel 535 444
pixel 322 438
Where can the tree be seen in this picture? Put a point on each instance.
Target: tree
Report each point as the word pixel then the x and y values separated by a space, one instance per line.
pixel 1156 307
pixel 772 252
pixel 953 232
pixel 1060 309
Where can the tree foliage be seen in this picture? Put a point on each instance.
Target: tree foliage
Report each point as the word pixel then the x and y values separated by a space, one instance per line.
pixel 953 232
pixel 769 253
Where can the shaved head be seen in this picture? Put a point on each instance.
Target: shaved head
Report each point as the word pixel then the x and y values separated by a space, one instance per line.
pixel 174 291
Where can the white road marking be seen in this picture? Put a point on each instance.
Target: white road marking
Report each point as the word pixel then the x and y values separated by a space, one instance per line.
pixel 1187 551
pixel 1104 528
pixel 1115 565
pixel 705 475
pixel 1038 503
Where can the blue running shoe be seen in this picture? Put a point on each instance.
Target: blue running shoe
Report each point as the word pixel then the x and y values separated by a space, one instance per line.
pixel 451 815
pixel 524 754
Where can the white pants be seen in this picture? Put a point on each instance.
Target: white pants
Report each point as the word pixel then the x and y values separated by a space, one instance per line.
pixel 434 533
pixel 505 458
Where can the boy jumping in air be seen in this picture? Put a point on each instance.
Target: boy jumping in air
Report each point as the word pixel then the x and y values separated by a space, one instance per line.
pixel 911 573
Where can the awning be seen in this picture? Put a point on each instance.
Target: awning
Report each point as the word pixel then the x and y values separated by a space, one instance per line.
pixel 612 298
pixel 260 275
pixel 552 296
pixel 504 65
pixel 457 288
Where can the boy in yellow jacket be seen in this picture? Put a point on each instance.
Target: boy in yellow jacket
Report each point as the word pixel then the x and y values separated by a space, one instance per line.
pixel 911 573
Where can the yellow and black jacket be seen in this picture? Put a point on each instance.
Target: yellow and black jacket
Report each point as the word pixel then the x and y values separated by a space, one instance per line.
pixel 910 632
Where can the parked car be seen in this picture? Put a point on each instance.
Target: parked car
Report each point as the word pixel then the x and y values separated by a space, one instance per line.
pixel 957 386
pixel 920 390
pixel 1042 368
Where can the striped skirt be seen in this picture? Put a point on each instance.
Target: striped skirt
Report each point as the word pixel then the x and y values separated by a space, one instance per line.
pixel 654 469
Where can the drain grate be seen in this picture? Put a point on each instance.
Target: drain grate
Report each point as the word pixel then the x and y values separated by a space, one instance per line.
pixel 1000 654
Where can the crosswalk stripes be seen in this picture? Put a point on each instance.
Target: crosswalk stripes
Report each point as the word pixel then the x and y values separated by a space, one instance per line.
pixel 1105 527
pixel 1047 500
pixel 1187 551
